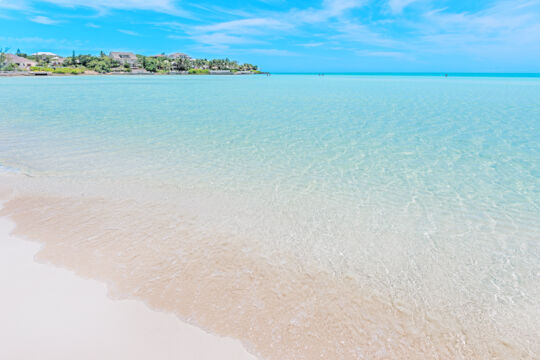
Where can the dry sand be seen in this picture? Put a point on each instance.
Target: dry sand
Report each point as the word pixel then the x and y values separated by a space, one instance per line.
pixel 49 313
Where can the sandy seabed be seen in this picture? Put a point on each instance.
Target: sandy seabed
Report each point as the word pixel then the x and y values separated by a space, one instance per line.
pixel 145 251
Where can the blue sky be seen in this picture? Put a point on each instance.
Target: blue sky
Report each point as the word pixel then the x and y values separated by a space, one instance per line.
pixel 280 35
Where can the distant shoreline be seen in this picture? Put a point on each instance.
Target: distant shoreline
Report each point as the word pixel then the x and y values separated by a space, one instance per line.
pixel 367 74
pixel 47 74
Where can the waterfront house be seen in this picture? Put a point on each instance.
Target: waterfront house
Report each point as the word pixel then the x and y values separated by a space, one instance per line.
pixel 20 62
pixel 45 53
pixel 179 56
pixel 125 58
pixel 57 61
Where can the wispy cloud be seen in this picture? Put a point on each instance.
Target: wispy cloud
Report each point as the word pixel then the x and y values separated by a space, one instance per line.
pixel 506 26
pixel 129 32
pixel 329 9
pixel 253 29
pixel 39 41
pixel 395 31
pixel 44 20
pixel 243 26
pixel 312 44
pixel 165 6
pixel 12 5
pixel 274 52
pixel 362 34
pixel 222 40
pixel 397 6
pixel 242 31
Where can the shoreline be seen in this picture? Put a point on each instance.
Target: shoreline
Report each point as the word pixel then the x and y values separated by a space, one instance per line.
pixel 34 74
pixel 223 287
pixel 374 74
pixel 57 312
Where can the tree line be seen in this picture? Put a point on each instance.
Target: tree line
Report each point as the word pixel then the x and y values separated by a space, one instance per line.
pixel 155 64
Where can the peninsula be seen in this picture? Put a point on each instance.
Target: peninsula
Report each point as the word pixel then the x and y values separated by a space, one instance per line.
pixel 47 63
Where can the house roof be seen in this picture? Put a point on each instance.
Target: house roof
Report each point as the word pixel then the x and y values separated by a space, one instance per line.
pixel 14 59
pixel 178 55
pixel 44 53
pixel 123 55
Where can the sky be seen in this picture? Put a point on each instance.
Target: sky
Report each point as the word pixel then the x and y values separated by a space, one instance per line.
pixel 290 36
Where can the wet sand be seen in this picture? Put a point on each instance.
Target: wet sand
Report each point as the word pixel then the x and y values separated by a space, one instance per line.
pixel 285 310
pixel 50 313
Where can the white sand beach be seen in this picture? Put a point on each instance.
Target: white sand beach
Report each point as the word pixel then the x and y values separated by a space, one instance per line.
pixel 50 313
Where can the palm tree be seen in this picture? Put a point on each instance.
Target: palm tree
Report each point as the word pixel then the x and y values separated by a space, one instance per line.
pixel 3 58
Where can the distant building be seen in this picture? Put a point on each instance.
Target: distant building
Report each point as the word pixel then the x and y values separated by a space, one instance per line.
pixel 20 62
pixel 179 56
pixel 57 61
pixel 125 58
pixel 44 53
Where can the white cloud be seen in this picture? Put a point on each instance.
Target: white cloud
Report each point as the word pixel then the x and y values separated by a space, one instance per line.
pixel 38 43
pixel 274 52
pixel 222 40
pixel 508 32
pixel 242 31
pixel 244 26
pixel 330 9
pixel 92 25
pixel 165 6
pixel 397 6
pixel 507 21
pixel 501 28
pixel 253 29
pixel 312 45
pixel 44 20
pixel 357 33
pixel 129 32
pixel 174 25
pixel 12 5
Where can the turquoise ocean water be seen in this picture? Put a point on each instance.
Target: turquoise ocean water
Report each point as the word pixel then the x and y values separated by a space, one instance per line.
pixel 419 185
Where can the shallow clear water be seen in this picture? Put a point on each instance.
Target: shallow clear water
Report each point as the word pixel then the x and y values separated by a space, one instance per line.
pixel 425 188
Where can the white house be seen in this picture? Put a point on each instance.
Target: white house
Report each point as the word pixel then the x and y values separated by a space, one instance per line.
pixel 57 61
pixel 20 62
pixel 45 53
pixel 179 56
pixel 125 58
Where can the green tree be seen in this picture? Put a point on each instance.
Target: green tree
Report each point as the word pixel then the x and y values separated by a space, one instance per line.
pixel 150 64
pixel 182 64
pixel 3 59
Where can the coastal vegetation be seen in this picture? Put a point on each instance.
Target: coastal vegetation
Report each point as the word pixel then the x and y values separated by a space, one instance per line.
pixel 59 70
pixel 4 64
pixel 199 71
pixel 119 63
